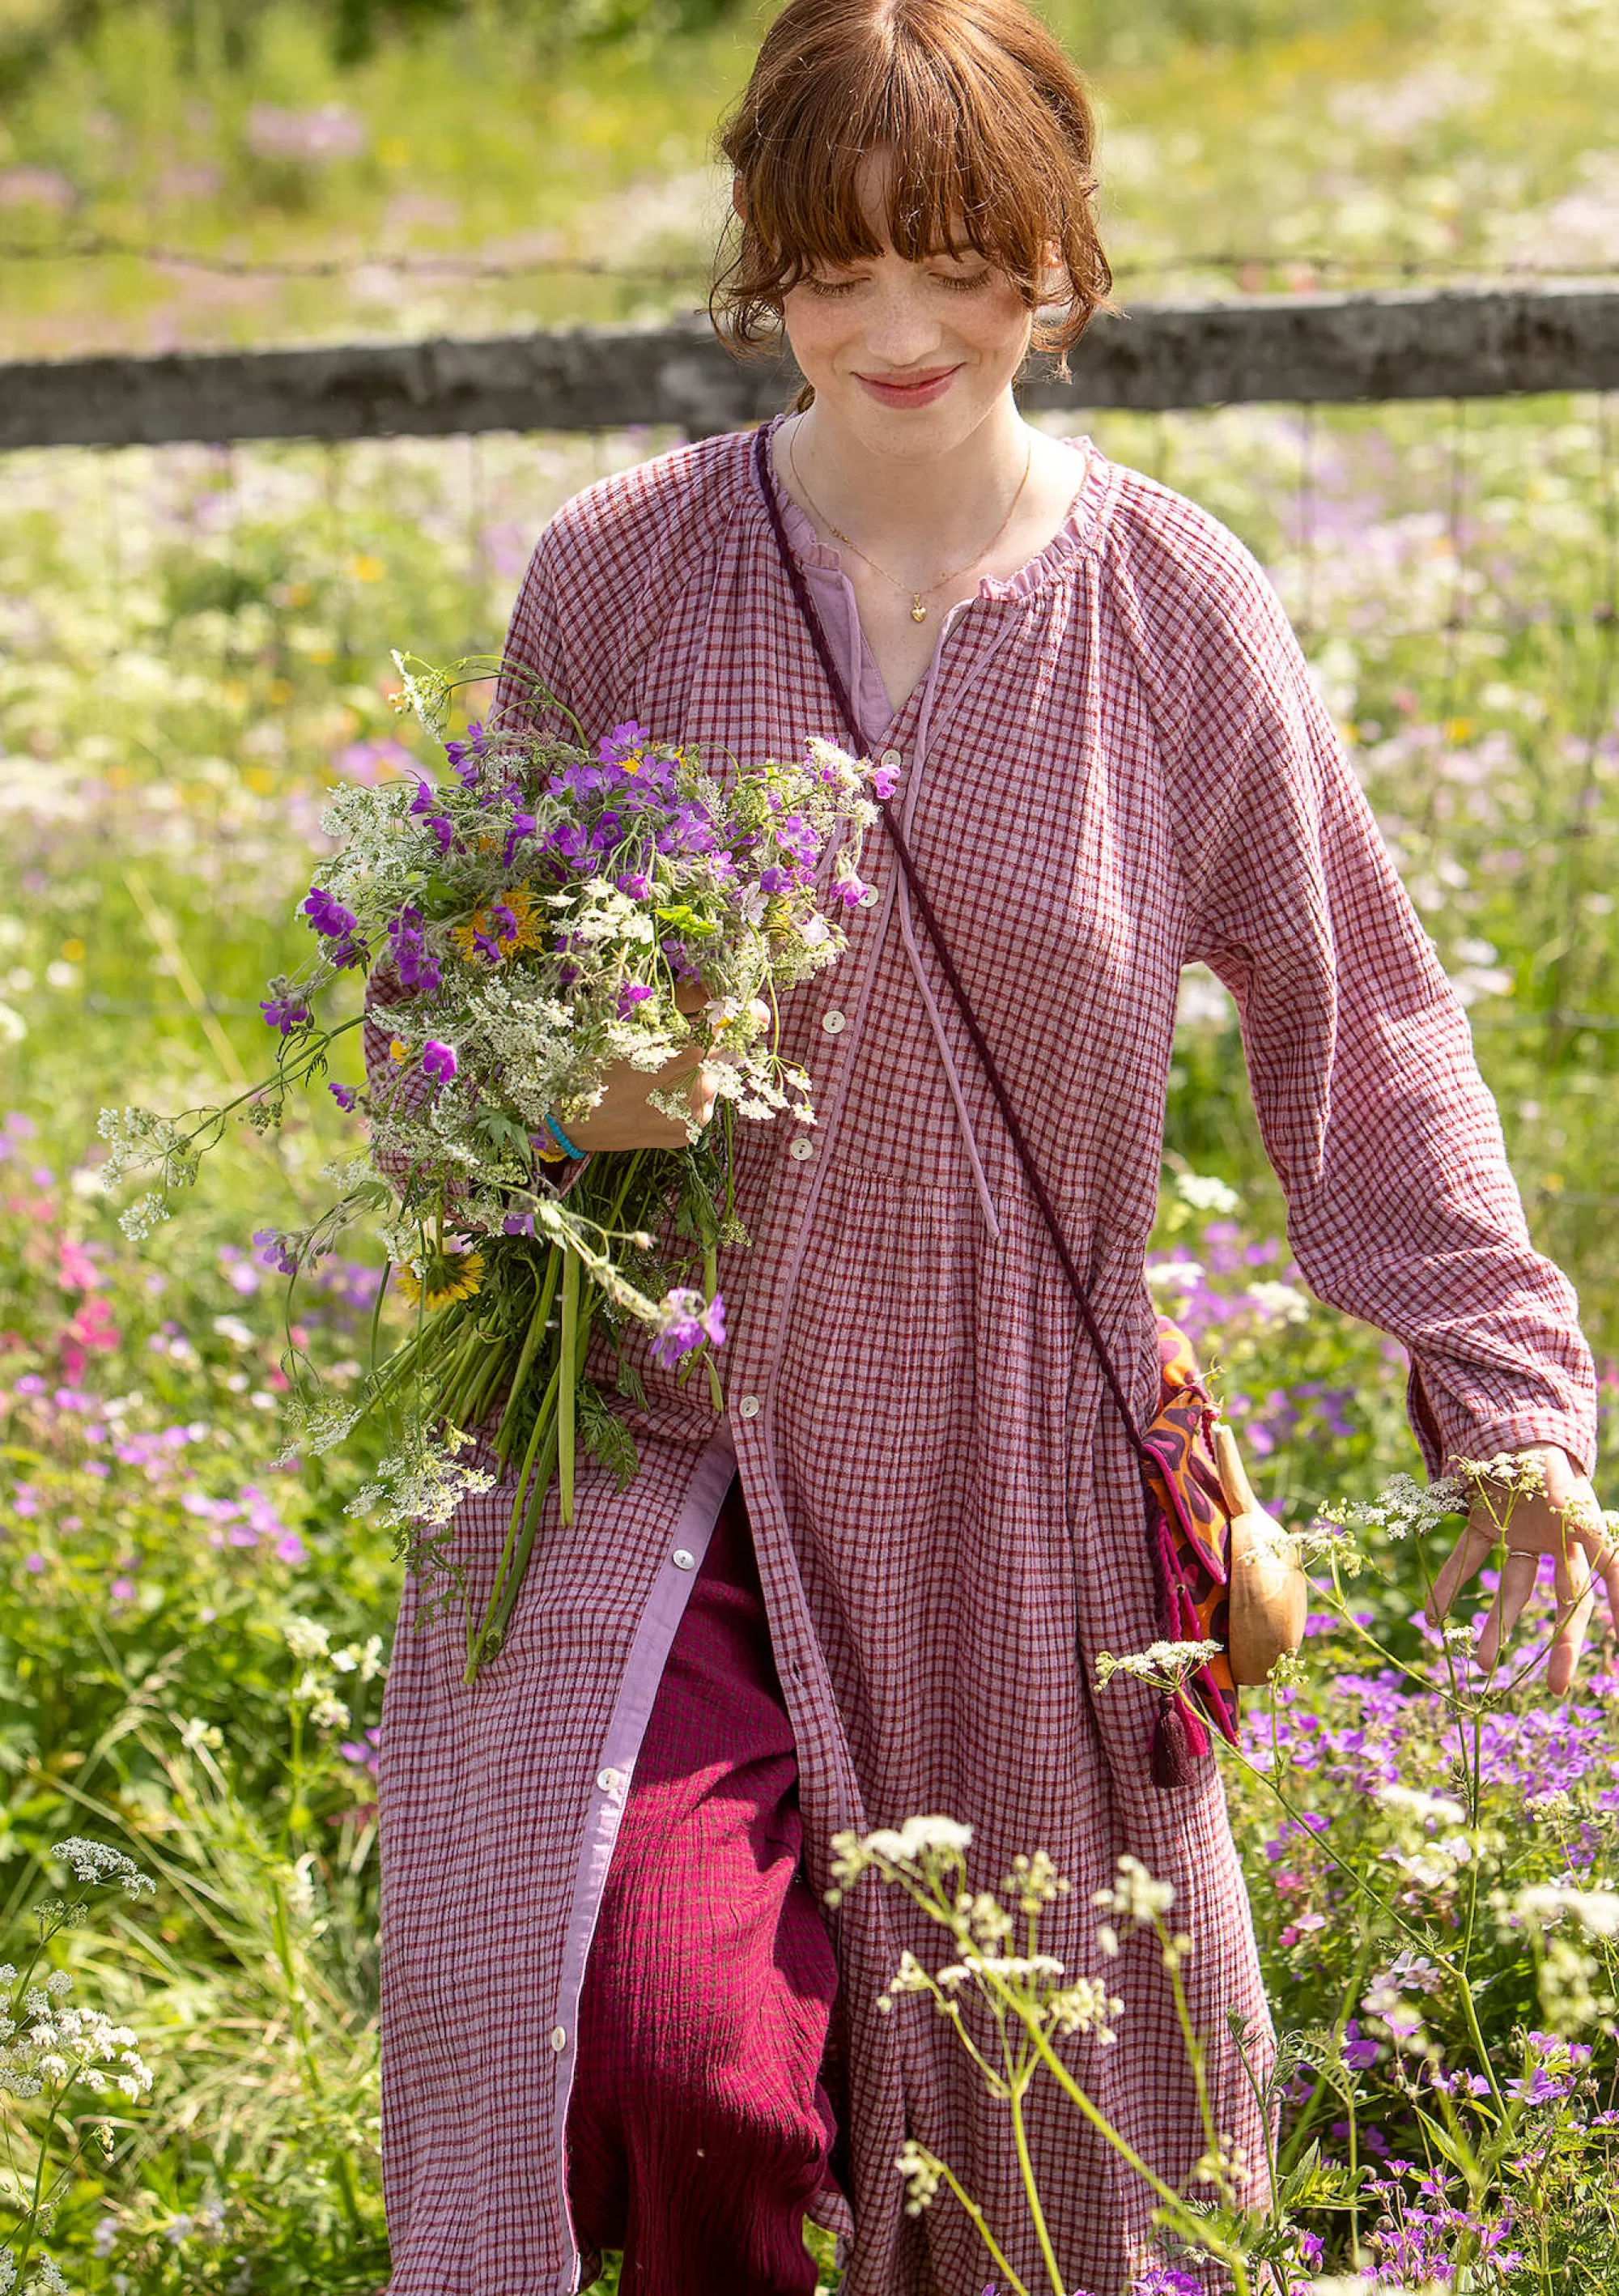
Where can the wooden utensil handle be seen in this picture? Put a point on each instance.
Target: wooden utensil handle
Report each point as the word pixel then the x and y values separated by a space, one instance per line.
pixel 1235 1487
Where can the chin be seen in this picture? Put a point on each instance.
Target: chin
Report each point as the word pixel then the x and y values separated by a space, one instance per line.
pixel 913 434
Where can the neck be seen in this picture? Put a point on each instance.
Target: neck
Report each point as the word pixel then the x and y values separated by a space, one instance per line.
pixel 944 499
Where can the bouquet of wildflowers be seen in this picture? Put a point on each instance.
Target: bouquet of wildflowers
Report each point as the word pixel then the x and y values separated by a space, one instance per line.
pixel 540 914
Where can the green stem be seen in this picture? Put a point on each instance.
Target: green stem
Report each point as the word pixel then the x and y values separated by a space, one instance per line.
pixel 532 1340
pixel 539 1467
pixel 543 1431
pixel 32 2226
pixel 975 2215
pixel 308 2063
pixel 1032 2192
pixel 1189 2042
pixel 567 1392
pixel 1301 2126
pixel 376 1316
pixel 492 1632
pixel 1191 2228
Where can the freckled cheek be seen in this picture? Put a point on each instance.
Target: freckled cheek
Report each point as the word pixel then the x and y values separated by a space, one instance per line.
pixel 815 330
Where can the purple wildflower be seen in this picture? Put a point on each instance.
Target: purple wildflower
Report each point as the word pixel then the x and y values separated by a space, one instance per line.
pixel 797 839
pixel 775 880
pixel 635 883
pixel 885 780
pixel 438 1060
pixel 276 1251
pixel 849 890
pixel 1360 2050
pixel 284 1010
pixel 684 1321
pixel 328 916
pixel 522 826
pixel 362 1751
pixel 344 1097
pixel 631 994
pixel 690 830
pixel 417 968
pixel 622 743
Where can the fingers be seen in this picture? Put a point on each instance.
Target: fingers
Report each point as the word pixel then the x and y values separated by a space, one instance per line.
pixel 1471 1551
pixel 1563 1520
pixel 1577 1585
pixel 704 1093
pixel 1518 1575
pixel 1609 1575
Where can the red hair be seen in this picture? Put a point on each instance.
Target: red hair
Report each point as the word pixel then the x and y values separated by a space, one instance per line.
pixel 992 139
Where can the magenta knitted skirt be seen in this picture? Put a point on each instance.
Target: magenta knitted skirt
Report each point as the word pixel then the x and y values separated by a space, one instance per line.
pixel 699 2130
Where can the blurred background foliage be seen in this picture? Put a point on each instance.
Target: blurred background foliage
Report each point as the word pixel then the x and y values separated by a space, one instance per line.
pixel 557 163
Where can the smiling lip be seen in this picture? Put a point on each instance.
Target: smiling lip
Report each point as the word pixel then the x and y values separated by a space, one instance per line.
pixel 917 390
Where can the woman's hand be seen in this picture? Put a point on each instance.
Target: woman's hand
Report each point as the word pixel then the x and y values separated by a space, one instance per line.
pixel 623 1119
pixel 1563 1518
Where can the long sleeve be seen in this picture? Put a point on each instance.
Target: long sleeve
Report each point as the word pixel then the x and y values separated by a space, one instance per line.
pixel 1402 1208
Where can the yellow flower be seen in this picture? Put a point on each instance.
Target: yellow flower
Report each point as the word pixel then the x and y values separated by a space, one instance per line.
pixel 520 929
pixel 444 1277
pixel 398 1050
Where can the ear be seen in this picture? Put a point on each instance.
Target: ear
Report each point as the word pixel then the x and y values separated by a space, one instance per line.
pixel 739 196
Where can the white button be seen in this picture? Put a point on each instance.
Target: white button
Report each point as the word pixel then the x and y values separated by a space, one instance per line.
pixel 833 1024
pixel 610 1781
pixel 683 1559
pixel 892 760
pixel 559 2039
pixel 802 1150
pixel 749 1407
pixel 868 899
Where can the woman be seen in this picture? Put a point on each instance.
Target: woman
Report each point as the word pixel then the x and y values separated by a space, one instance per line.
pixel 617 2012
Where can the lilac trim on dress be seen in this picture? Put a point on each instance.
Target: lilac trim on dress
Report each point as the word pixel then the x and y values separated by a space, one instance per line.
pixel 616 1767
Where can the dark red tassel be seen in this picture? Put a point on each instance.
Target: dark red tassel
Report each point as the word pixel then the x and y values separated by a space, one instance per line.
pixel 1180 1742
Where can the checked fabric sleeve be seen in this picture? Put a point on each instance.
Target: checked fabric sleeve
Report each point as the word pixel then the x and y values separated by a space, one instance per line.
pixel 1401 1207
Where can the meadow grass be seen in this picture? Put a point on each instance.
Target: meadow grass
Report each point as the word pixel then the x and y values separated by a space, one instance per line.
pixel 193 649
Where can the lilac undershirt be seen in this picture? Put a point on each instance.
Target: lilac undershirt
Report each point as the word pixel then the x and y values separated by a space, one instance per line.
pixel 835 602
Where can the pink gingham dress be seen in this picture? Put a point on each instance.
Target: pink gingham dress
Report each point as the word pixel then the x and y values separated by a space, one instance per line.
pixel 1117 764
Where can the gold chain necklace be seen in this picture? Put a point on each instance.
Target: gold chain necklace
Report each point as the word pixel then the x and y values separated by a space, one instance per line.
pixel 919 613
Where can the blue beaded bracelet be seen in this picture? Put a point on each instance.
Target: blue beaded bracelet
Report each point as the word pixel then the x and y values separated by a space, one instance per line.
pixel 562 1140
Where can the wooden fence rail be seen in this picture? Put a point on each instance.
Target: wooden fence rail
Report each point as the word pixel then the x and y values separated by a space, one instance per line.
pixel 1413 345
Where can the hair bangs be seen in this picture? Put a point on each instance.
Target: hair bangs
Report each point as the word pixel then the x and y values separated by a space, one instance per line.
pixel 961 119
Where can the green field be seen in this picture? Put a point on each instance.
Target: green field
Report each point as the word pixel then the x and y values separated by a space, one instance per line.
pixel 195 649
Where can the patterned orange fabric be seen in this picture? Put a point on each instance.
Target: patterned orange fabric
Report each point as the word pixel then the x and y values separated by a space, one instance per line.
pixel 1187 1488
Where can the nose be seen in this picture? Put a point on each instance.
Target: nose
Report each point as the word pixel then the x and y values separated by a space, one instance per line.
pixel 901 329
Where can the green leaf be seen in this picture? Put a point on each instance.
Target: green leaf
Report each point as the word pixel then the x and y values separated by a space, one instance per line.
pixel 686 922
pixel 606 1437
pixel 503 1131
